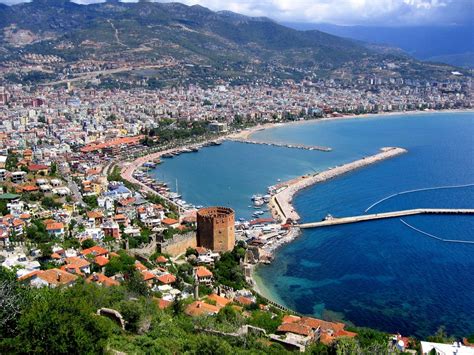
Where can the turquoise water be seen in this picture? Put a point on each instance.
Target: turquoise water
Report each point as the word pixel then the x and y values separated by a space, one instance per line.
pixel 379 274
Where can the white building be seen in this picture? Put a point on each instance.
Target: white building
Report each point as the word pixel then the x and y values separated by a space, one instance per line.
pixel 455 348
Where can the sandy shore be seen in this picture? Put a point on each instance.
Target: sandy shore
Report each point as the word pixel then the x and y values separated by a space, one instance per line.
pixel 281 203
pixel 247 133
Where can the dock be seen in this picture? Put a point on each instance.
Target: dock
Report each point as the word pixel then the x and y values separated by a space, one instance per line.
pixel 370 217
pixel 283 145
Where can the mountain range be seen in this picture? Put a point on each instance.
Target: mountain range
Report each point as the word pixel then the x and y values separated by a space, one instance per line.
pixel 145 31
pixel 452 44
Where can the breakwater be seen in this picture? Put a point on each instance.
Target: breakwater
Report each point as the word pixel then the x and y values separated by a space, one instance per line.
pixel 284 145
pixel 281 202
pixel 369 217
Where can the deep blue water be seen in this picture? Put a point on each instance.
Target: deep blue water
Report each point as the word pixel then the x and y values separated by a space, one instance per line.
pixel 379 274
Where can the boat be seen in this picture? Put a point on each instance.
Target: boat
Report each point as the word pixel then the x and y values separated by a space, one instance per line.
pixel 168 155
pixel 149 164
pixel 194 150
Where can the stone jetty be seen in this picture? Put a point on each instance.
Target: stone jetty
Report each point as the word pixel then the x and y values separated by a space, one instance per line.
pixel 281 202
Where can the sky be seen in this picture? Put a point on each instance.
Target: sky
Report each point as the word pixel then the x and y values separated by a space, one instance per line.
pixel 343 12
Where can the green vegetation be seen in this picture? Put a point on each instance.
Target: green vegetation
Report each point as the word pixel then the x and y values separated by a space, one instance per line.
pixel 441 336
pixel 91 201
pixel 180 130
pixel 116 176
pixel 227 270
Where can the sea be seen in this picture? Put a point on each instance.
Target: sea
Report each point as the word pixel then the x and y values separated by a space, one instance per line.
pixel 381 274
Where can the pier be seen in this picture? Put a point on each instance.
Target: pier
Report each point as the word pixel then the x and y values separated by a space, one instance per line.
pixel 385 215
pixel 284 145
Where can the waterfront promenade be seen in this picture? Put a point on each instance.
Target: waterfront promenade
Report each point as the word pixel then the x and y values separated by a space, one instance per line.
pixel 385 215
pixel 281 203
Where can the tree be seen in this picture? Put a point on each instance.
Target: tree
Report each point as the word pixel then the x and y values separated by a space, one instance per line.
pixel 132 313
pixel 50 203
pixel 55 322
pixel 369 337
pixel 441 336
pixel 88 243
pixel 228 272
pixel 12 301
pixel 91 201
pixel 265 320
pixel 53 169
pixel 123 263
pixel 3 207
pixel 346 346
pixel 135 284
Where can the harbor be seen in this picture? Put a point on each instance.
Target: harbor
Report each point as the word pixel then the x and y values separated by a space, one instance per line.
pixel 282 194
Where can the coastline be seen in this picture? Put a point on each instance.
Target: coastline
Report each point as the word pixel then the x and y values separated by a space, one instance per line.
pixel 248 132
pixel 128 169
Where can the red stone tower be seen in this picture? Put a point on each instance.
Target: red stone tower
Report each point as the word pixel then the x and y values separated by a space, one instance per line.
pixel 215 228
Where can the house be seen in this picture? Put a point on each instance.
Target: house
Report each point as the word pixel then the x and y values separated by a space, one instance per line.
pixel 199 308
pixel 203 275
pixel 18 177
pixel 161 303
pixel 167 279
pixel 103 280
pixel 327 332
pixel 3 175
pixel 121 219
pixel 29 188
pixel 101 261
pixel 95 251
pixel 95 218
pixel 170 223
pixel 38 169
pixel 149 278
pixel 55 229
pixel 219 300
pixel 76 265
pixel 50 278
pixel 161 260
pixel 111 229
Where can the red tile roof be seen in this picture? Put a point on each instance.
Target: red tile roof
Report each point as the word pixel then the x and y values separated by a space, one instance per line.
pixel 167 279
pixel 202 271
pixel 95 250
pixel 295 328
